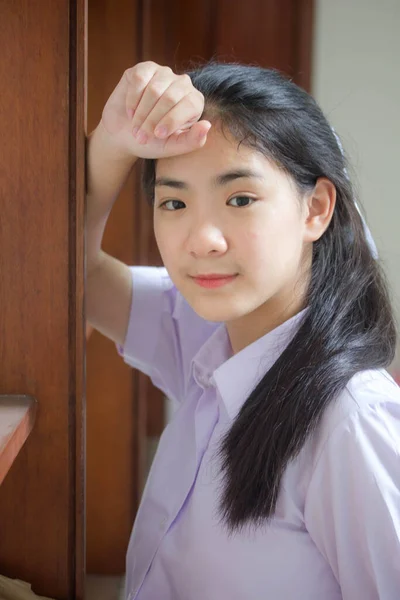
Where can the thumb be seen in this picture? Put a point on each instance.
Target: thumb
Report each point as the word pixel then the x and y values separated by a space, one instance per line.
pixel 188 140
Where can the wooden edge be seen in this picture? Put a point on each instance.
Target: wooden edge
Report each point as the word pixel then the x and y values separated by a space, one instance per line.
pixel 17 416
pixel 304 36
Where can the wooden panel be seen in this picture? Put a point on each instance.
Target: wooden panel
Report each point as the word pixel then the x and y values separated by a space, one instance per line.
pixel 303 47
pixel 269 33
pixel 77 330
pixel 41 296
pixel 257 31
pixel 178 32
pixel 115 423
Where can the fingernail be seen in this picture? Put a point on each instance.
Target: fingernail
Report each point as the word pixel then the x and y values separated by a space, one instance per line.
pixel 161 132
pixel 134 131
pixel 142 137
pixel 202 135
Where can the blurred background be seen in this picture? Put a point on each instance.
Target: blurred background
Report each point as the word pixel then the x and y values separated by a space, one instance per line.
pixel 346 53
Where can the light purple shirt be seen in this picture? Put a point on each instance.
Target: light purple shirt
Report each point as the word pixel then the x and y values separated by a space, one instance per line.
pixel 336 530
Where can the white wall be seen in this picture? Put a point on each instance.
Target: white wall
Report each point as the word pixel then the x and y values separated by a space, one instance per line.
pixel 356 81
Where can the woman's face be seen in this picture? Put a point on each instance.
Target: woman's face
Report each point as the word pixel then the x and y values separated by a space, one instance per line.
pixel 227 211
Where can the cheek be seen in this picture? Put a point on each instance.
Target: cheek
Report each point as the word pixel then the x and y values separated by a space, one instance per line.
pixel 168 244
pixel 275 246
pixel 161 236
pixel 259 242
pixel 252 236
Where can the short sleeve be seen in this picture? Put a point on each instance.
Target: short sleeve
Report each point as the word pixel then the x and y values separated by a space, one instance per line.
pixel 352 509
pixel 152 342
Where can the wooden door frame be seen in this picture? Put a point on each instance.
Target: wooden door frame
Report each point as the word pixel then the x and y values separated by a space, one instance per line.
pixel 42 498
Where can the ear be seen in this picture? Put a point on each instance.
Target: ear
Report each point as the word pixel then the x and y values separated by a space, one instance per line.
pixel 319 209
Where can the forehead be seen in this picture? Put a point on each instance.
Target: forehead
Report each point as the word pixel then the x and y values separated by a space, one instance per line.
pixel 220 152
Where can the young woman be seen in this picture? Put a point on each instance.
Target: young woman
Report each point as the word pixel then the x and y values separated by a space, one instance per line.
pixel 270 326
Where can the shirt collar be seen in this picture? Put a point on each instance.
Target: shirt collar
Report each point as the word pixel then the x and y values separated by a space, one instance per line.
pixel 236 376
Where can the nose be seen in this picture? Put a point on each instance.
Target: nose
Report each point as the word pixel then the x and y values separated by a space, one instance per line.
pixel 206 239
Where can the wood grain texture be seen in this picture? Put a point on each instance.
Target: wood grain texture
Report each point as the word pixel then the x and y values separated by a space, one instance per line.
pixel 115 424
pixel 304 37
pixel 77 330
pixel 17 416
pixel 41 296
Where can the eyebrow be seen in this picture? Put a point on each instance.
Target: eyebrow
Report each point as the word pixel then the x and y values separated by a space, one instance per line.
pixel 219 180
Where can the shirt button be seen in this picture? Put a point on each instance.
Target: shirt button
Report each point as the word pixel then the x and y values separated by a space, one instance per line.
pixel 164 524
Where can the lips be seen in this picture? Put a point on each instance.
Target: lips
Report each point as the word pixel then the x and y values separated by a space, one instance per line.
pixel 214 276
pixel 213 280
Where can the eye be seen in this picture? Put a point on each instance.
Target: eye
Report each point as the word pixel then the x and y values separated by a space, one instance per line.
pixel 241 201
pixel 173 205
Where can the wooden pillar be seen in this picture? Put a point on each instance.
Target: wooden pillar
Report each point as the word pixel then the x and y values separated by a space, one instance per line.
pixel 42 70
pixel 115 411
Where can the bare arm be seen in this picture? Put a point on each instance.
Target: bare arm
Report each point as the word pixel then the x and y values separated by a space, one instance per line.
pixel 108 284
pixel 157 98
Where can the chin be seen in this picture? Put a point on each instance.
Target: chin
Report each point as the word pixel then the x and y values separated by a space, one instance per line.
pixel 210 311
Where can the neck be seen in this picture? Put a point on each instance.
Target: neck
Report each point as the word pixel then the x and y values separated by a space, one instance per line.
pixel 267 317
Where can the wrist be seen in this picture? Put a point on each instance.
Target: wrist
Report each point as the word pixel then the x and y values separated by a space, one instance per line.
pixel 106 147
pixel 107 164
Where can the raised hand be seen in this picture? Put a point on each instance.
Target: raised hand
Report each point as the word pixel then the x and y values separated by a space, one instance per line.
pixel 154 113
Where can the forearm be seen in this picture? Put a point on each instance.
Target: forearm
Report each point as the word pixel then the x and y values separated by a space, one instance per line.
pixel 107 171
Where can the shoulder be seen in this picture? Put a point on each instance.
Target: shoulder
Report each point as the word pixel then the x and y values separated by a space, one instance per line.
pixel 164 333
pixel 370 399
pixel 365 390
pixel 351 507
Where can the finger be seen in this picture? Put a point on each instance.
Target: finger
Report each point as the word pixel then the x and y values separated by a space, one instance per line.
pixel 172 96
pixel 189 140
pixel 154 90
pixel 135 81
pixel 186 112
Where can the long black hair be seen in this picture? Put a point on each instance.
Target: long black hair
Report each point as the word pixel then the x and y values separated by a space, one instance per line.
pixel 349 325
